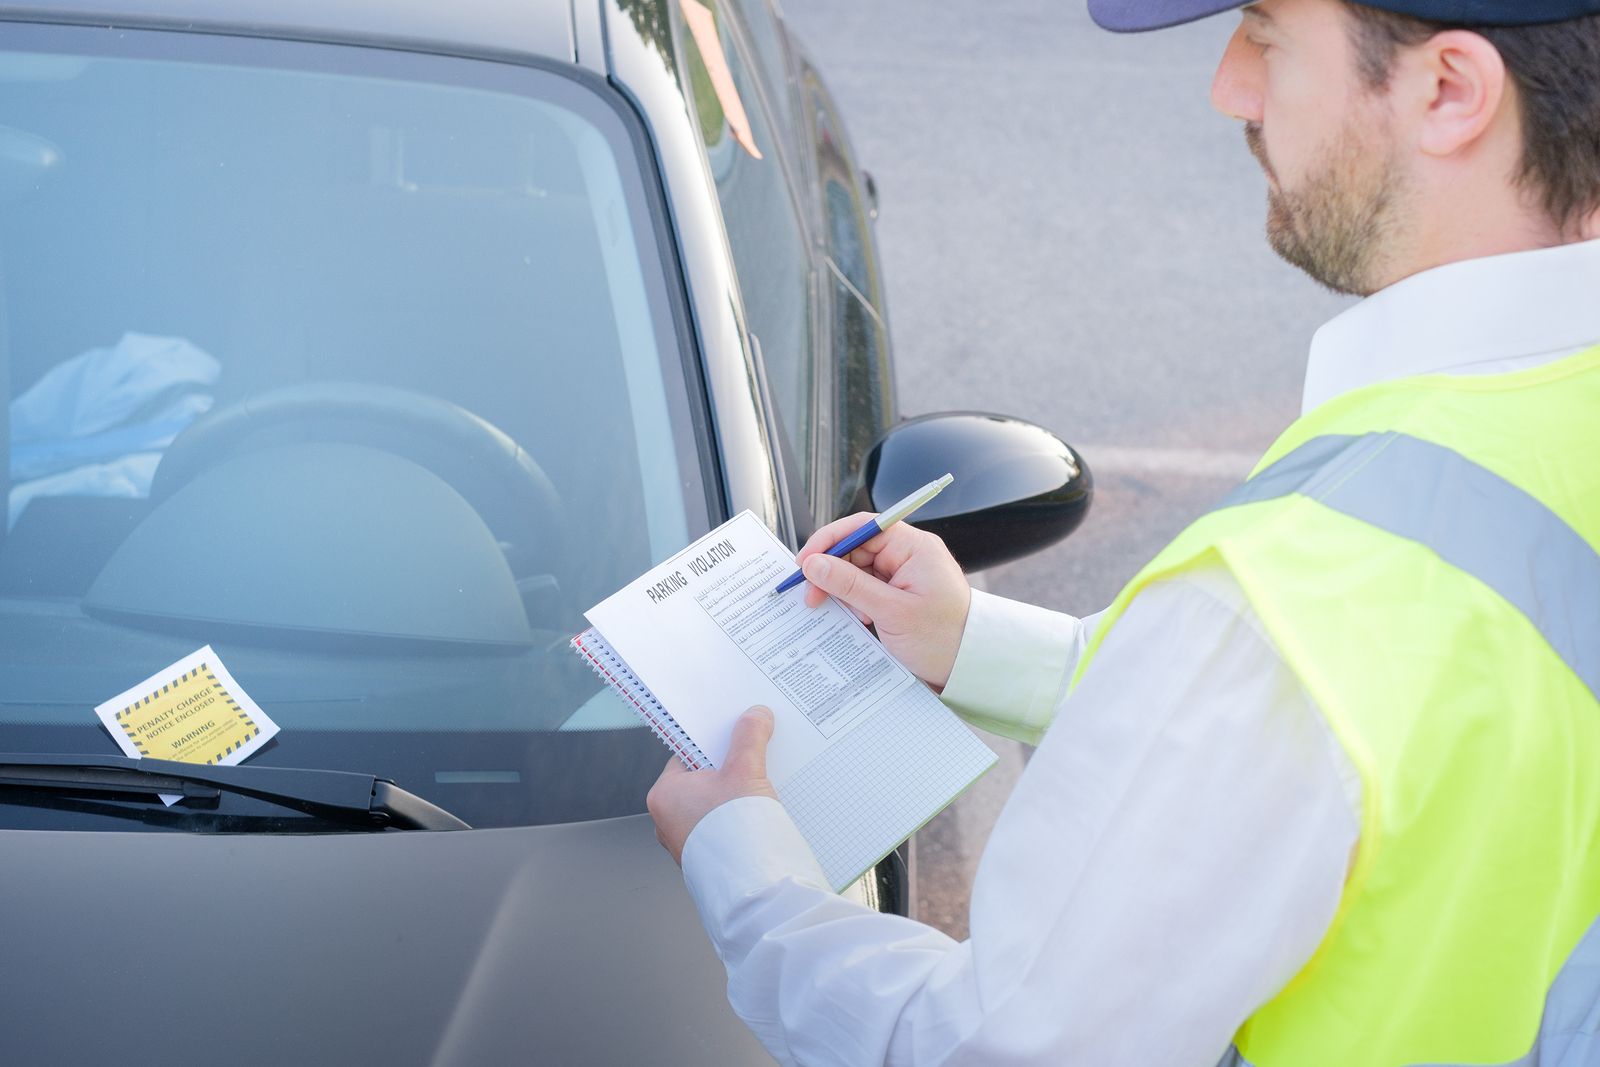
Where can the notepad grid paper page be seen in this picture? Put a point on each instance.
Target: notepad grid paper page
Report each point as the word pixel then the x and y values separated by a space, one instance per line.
pixel 890 773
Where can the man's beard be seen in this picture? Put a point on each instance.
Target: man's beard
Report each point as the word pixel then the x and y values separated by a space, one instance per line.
pixel 1339 225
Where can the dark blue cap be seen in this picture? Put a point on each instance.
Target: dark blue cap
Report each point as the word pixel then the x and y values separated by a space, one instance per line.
pixel 1131 16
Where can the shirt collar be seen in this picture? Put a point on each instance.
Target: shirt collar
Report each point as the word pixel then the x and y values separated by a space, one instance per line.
pixel 1521 305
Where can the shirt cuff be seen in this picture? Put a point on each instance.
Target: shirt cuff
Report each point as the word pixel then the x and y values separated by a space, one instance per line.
pixel 1012 665
pixel 737 851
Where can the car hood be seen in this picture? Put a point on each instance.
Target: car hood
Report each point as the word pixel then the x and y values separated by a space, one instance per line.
pixel 569 944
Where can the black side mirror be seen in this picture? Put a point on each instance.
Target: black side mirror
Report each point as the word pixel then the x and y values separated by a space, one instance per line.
pixel 1018 488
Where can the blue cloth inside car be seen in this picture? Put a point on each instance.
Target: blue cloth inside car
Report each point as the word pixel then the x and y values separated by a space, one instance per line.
pixel 95 425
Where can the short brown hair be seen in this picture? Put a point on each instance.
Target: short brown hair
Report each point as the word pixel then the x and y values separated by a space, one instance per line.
pixel 1556 68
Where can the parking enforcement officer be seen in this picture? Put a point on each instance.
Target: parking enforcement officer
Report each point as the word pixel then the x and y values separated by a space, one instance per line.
pixel 1322 787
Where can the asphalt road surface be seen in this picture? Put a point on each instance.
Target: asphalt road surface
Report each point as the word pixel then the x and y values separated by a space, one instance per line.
pixel 1071 235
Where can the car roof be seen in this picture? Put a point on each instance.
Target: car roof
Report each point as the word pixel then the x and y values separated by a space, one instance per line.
pixel 537 29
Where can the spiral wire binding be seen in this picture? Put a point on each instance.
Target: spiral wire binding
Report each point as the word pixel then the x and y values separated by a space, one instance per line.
pixel 605 662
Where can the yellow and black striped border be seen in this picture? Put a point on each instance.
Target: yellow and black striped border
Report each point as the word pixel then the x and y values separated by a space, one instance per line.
pixel 222 690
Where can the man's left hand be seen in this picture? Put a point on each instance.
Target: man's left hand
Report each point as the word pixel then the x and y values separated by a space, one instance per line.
pixel 681 797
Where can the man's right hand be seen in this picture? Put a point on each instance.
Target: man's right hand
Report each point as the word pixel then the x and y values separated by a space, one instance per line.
pixel 904 582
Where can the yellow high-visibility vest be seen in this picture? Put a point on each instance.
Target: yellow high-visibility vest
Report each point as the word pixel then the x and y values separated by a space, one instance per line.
pixel 1423 554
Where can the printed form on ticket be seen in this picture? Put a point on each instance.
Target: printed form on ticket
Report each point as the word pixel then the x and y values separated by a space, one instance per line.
pixel 192 712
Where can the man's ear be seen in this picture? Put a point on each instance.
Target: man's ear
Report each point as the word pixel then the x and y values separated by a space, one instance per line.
pixel 1458 84
pixel 1589 227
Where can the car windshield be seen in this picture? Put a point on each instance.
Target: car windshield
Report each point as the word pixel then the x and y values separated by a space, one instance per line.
pixel 360 368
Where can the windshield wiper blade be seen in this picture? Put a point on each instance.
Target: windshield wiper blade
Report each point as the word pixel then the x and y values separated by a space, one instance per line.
pixel 337 794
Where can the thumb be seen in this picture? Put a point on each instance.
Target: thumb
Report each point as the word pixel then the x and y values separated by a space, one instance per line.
pixel 747 750
pixel 862 591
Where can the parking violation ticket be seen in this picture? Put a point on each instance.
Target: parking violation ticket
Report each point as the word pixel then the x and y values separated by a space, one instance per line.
pixel 192 712
pixel 862 753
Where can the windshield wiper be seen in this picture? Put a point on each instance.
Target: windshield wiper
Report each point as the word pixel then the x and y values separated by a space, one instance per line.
pixel 343 795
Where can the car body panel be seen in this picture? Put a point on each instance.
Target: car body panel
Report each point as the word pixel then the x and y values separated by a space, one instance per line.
pixel 405 948
pixel 571 943
pixel 488 28
pixel 589 38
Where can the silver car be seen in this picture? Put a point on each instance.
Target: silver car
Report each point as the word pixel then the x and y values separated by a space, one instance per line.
pixel 368 344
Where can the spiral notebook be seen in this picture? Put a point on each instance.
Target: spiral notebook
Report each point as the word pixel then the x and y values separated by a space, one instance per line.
pixel 862 752
pixel 605 662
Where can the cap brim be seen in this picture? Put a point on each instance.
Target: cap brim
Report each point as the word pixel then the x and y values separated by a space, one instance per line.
pixel 1135 16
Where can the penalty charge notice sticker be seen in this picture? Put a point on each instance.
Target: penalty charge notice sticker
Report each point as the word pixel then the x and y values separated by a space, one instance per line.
pixel 192 712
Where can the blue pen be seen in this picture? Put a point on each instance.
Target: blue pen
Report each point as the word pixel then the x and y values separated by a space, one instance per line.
pixel 875 526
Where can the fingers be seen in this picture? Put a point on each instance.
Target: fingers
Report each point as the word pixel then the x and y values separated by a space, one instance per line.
pixel 831 534
pixel 895 554
pixel 653 799
pixel 747 749
pixel 815 597
pixel 861 591
pixel 862 558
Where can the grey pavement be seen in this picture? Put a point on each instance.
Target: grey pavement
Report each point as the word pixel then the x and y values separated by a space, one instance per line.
pixel 1071 235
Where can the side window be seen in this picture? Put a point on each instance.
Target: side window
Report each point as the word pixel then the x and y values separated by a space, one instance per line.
pixel 864 407
pixel 847 238
pixel 764 230
pixel 848 230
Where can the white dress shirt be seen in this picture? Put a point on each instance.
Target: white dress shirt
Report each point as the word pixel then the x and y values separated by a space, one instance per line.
pixel 1176 847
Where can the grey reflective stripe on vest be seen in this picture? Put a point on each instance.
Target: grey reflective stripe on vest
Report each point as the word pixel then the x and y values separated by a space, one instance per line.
pixel 1469 516
pixel 1569 1035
